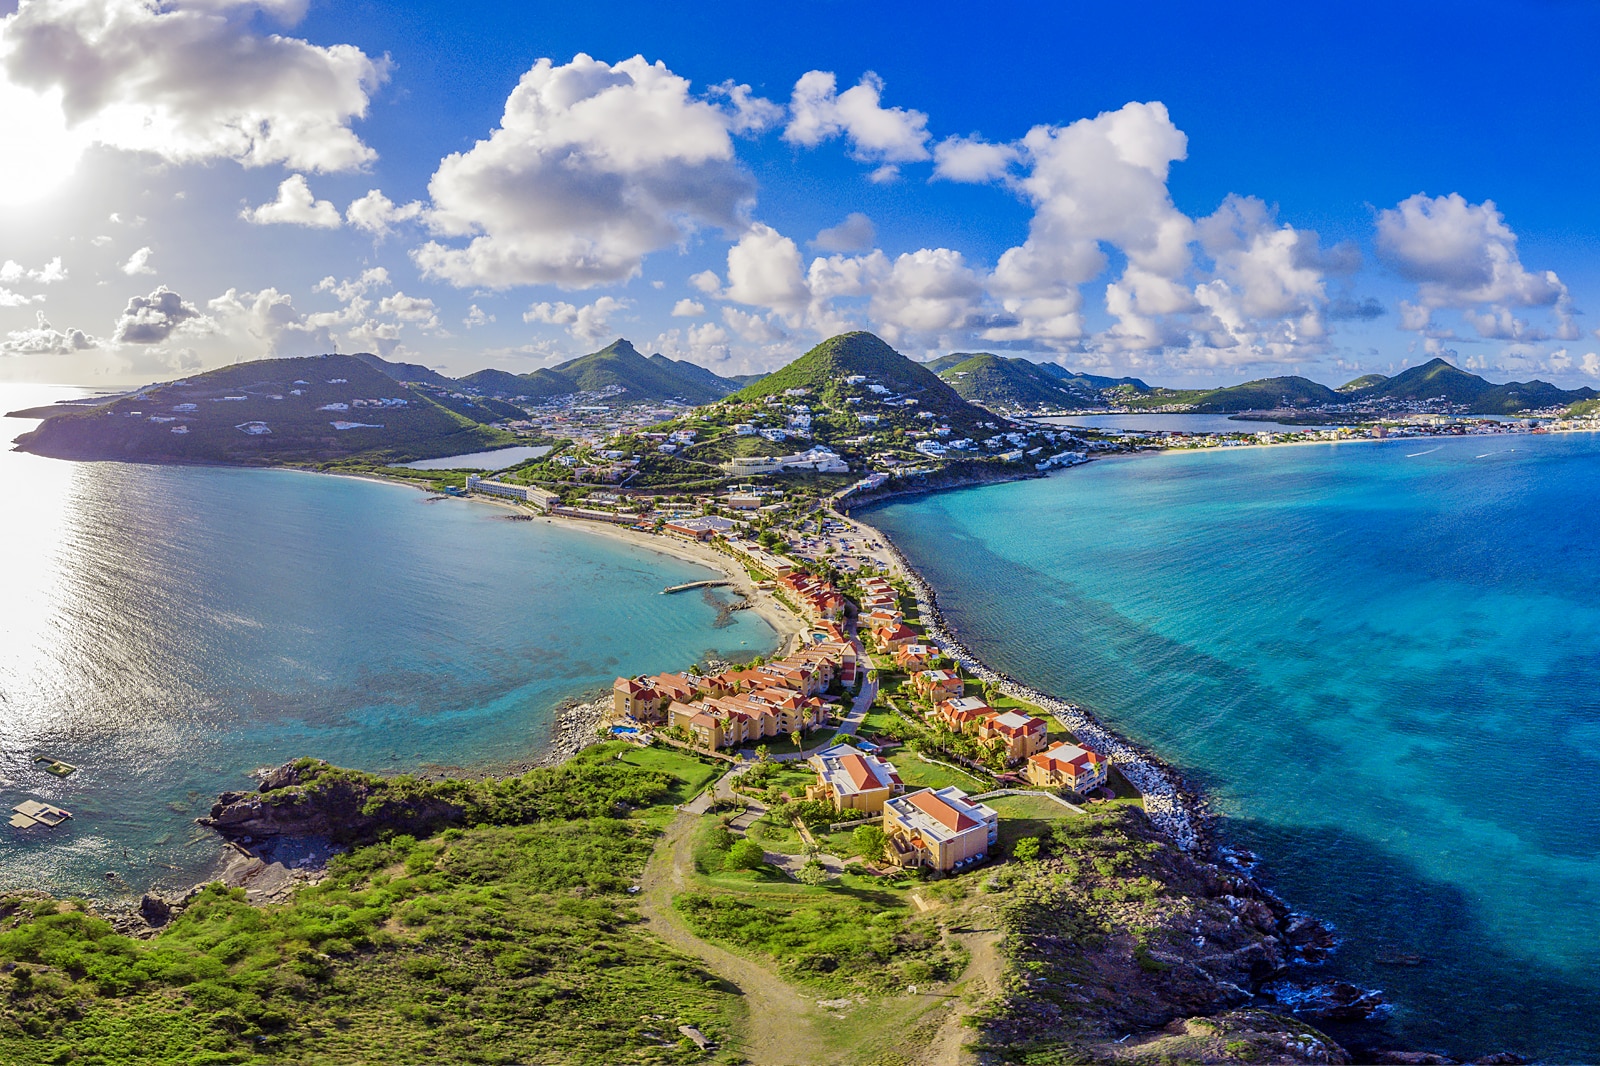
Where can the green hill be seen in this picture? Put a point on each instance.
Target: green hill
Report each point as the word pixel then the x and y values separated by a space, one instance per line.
pixel 217 418
pixel 823 369
pixel 1009 383
pixel 618 367
pixel 1366 381
pixel 1260 395
pixel 1437 379
pixel 410 373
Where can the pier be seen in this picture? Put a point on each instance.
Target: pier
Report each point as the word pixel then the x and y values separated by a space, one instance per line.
pixel 716 583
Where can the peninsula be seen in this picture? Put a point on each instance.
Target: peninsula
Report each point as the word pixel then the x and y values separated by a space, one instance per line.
pixel 870 848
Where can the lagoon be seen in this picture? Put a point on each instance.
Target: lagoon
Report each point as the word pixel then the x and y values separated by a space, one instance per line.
pixel 495 459
pixel 169 629
pixel 1382 663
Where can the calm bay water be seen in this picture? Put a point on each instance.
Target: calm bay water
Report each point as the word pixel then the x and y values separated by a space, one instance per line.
pixel 169 629
pixel 1382 661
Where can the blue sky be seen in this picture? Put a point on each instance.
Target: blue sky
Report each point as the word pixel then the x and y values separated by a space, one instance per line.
pixel 1189 194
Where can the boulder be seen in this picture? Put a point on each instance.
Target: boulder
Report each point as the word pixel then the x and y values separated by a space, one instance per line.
pixel 155 910
pixel 1339 1002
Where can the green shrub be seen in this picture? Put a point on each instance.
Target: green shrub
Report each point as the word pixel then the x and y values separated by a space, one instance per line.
pixel 745 855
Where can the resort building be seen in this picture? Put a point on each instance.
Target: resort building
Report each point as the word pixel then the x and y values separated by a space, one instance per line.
pixel 636 698
pixel 1024 734
pixel 882 617
pixel 853 780
pixel 937 685
pixel 703 528
pixel 942 829
pixel 1067 766
pixel 544 499
pixel 891 637
pixel 915 657
pixel 964 714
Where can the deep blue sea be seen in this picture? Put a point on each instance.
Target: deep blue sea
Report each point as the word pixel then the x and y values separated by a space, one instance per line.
pixel 1382 662
pixel 169 629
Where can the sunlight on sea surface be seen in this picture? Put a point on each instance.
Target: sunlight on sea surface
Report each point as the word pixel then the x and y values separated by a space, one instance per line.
pixel 169 629
pixel 1381 660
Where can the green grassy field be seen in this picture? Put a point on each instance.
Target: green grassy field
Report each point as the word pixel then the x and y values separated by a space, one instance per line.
pixel 482 944
pixel 918 774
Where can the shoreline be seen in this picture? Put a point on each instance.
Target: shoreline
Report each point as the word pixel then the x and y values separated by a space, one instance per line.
pixel 1171 804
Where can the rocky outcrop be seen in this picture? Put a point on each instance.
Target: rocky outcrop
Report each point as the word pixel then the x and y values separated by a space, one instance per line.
pixel 309 798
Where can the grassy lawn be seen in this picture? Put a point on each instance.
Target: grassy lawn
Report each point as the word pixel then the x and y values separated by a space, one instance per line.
pixel 918 774
pixel 691 773
pixel 782 745
pixel 877 720
pixel 1026 816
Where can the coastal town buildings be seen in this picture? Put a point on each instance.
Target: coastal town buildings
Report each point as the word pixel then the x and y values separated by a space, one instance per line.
pixel 1067 766
pixel 963 714
pixel 936 685
pixel 852 780
pixel 938 828
pixel 915 657
pixel 541 498
pixel 1023 734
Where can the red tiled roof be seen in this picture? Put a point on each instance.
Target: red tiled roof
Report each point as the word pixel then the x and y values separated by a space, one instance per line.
pixel 940 811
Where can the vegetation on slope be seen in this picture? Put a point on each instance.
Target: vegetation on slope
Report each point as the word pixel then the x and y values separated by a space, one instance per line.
pixel 822 370
pixel 1263 394
pixel 618 366
pixel 510 937
pixel 297 401
pixel 1009 383
pixel 1435 380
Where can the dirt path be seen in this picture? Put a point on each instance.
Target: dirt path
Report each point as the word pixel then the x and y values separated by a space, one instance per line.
pixel 779 1026
pixel 980 983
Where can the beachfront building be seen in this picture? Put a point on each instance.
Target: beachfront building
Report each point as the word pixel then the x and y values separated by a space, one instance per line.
pixel 543 499
pixel 1023 734
pixel 1068 766
pixel 963 714
pixel 702 528
pixel 937 685
pixel 852 780
pixel 636 698
pixel 941 829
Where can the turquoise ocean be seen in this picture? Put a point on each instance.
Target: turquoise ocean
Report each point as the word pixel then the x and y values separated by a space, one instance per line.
pixel 169 629
pixel 1380 661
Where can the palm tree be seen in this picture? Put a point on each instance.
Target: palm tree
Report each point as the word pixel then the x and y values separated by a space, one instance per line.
pixel 795 736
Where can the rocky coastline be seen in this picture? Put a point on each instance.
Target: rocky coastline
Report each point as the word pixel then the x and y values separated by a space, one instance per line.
pixel 1180 813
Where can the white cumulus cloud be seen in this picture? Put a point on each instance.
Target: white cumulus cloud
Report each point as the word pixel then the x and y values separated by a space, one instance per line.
pixel 139 262
pixel 152 319
pixel 887 136
pixel 377 214
pixel 45 339
pixel 295 206
pixel 593 167
pixel 1463 255
pixel 186 80
pixel 587 323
